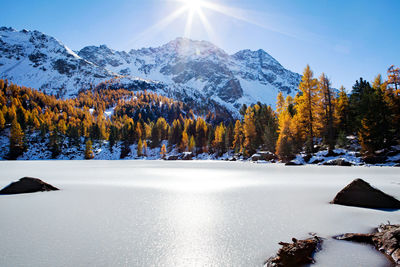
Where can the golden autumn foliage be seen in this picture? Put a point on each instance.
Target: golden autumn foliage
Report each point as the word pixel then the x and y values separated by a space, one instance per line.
pixel 308 108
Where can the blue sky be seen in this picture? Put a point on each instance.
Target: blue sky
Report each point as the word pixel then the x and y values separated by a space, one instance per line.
pixel 346 39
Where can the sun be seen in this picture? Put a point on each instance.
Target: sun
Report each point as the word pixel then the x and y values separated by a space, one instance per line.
pixel 193 5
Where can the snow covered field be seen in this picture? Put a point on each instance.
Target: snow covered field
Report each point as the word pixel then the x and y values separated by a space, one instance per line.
pixel 199 213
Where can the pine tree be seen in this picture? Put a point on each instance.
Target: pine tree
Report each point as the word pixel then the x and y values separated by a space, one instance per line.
pixel 17 146
pixel 307 104
pixel 88 150
pixel 368 110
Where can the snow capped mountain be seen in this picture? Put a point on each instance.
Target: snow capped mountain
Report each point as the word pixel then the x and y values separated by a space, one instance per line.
pixel 231 80
pixel 196 72
pixel 36 60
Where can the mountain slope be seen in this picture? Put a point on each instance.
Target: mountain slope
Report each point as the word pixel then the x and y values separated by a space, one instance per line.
pixel 232 80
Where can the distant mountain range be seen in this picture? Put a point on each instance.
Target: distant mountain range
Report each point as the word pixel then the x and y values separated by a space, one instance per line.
pixel 195 72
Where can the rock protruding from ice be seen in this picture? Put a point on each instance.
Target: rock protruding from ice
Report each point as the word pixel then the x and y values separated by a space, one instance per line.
pixel 361 194
pixel 337 162
pixel 385 240
pixel 298 253
pixel 27 185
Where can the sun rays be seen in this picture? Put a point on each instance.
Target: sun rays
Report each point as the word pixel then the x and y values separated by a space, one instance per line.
pixel 194 11
pixel 193 16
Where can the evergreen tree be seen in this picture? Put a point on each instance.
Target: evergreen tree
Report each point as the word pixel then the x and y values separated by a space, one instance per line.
pixel 327 109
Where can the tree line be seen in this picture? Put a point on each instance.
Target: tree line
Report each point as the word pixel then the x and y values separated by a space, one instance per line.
pixel 318 117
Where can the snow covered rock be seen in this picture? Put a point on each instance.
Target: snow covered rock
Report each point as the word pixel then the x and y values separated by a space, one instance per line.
pixel 361 194
pixel 27 185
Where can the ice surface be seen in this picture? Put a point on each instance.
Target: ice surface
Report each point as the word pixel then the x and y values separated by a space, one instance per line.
pixel 203 213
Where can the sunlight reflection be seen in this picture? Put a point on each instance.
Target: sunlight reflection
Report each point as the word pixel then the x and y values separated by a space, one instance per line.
pixel 193 218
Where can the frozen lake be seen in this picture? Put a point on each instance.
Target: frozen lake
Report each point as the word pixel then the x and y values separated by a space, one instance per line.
pixel 200 213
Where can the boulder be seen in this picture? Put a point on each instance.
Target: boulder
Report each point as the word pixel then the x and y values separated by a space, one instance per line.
pixel 386 239
pixel 187 156
pixel 361 194
pixel 337 162
pixel 264 155
pixel 27 185
pixel 295 254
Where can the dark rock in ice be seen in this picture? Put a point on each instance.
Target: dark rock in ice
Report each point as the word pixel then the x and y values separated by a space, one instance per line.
pixel 386 240
pixel 361 194
pixel 27 185
pixel 295 254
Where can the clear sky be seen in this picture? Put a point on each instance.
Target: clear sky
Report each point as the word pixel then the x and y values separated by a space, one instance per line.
pixel 346 39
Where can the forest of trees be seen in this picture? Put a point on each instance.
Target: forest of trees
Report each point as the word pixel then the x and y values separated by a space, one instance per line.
pixel 318 117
